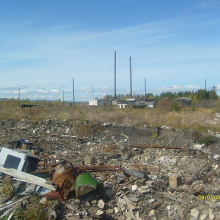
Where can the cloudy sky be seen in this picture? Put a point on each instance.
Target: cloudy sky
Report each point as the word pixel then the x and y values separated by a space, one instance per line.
pixel 174 44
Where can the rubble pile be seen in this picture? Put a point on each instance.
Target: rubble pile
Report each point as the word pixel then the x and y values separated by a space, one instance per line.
pixel 180 177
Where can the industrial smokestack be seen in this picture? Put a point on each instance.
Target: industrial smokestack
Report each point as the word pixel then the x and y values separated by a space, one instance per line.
pixel 115 78
pixel 73 94
pixel 130 79
pixel 144 89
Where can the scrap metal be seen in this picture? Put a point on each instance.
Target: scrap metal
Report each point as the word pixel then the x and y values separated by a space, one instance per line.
pixel 165 147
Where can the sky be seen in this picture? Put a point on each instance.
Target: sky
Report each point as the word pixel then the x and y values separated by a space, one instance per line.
pixel 44 45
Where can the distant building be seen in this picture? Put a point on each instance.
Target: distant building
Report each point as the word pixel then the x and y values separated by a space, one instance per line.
pixel 135 103
pixel 151 103
pixel 185 101
pixel 100 102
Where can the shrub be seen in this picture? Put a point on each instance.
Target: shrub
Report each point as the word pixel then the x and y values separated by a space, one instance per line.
pixel 205 139
pixel 33 210
pixel 8 186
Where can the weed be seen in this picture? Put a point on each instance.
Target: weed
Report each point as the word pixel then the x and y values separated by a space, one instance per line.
pixel 8 188
pixel 110 148
pixel 205 139
pixel 33 210
pixel 154 135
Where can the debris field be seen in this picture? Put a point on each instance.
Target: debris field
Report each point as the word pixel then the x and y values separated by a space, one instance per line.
pixel 134 172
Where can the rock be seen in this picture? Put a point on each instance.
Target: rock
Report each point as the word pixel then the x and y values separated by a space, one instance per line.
pixel 121 203
pixel 89 161
pixel 134 187
pixel 109 192
pixel 195 213
pixel 43 200
pixel 211 215
pixel 134 198
pixel 151 201
pixel 151 213
pixel 144 189
pixel 109 211
pixel 99 212
pixel 174 181
pixel 101 204
pixel 203 217
pixel 116 210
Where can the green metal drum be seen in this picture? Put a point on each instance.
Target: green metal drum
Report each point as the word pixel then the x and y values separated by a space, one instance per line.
pixel 84 184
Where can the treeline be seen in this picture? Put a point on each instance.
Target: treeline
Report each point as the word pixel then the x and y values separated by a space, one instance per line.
pixel 198 95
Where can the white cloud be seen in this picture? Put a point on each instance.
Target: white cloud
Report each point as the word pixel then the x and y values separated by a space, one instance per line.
pixel 42 91
pixel 175 88
pixel 54 90
pixel 87 89
pixel 68 90
pixel 22 91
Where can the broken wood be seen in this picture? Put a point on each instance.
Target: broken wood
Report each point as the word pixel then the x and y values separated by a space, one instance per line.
pixel 196 175
pixel 25 177
pixel 12 204
pixel 206 179
pixel 165 147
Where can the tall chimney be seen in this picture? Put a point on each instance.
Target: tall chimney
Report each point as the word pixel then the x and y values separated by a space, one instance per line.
pixel 73 94
pixel 130 79
pixel 144 89
pixel 115 78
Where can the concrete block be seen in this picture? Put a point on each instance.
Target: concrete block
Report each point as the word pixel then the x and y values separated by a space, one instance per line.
pixel 175 181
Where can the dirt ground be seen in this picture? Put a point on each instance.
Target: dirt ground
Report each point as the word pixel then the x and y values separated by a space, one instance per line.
pixel 174 186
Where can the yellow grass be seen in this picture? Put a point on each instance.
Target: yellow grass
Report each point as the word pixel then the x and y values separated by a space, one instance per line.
pixel 185 118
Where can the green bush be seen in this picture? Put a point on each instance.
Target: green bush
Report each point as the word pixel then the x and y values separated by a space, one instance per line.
pixel 205 139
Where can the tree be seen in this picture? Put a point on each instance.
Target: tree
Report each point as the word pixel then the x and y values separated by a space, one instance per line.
pixel 213 94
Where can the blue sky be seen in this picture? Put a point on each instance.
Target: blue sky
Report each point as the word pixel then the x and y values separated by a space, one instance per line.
pixel 174 44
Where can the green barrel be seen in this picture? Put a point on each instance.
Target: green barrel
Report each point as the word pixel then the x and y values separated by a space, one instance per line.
pixel 84 184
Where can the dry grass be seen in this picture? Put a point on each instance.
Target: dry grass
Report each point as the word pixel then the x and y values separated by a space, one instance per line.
pixel 185 118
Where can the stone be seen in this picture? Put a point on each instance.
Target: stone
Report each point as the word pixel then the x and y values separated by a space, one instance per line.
pixel 151 213
pixel 43 200
pixel 174 181
pixel 109 211
pixel 109 192
pixel 134 198
pixel 99 212
pixel 203 217
pixel 129 215
pixel 89 161
pixel 151 200
pixel 116 210
pixel 134 187
pixel 121 203
pixel 195 213
pixel 211 215
pixel 71 207
pixel 101 204
pixel 143 189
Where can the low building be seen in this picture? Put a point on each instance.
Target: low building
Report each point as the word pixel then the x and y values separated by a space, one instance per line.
pixel 100 102
pixel 151 103
pixel 185 101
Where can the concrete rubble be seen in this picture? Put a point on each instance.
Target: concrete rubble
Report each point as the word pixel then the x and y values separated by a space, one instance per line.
pixel 173 188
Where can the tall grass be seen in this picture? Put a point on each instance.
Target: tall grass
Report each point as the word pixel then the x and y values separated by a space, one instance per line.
pixel 184 118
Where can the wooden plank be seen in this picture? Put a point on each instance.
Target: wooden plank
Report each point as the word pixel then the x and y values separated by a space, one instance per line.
pixel 28 178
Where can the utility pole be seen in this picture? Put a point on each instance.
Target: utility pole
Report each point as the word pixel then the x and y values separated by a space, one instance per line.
pixel 205 95
pixel 63 95
pixel 19 94
pixel 73 95
pixel 115 78
pixel 144 89
pixel 130 79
